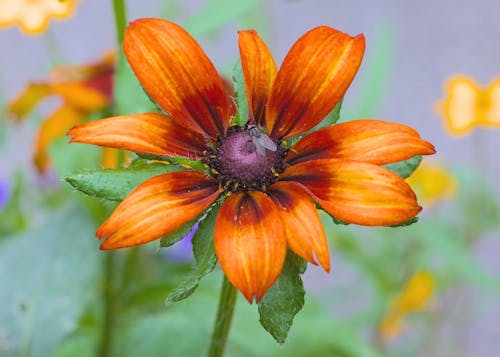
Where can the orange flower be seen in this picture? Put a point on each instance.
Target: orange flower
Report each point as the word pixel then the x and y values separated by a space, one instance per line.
pixel 83 90
pixel 269 189
pixel 414 297
pixel 33 16
pixel 467 105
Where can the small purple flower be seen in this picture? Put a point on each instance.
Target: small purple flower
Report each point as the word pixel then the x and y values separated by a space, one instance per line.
pixel 5 192
pixel 182 251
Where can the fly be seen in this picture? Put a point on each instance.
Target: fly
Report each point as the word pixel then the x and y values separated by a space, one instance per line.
pixel 262 141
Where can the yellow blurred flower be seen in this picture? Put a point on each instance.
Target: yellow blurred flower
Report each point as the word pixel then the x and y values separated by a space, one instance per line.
pixel 432 183
pixel 415 296
pixel 83 90
pixel 467 105
pixel 33 16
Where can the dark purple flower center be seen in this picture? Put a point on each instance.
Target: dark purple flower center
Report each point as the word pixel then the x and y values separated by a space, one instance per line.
pixel 241 162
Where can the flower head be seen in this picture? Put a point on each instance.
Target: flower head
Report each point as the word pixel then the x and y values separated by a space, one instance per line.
pixel 83 90
pixel 415 296
pixel 268 188
pixel 33 16
pixel 467 105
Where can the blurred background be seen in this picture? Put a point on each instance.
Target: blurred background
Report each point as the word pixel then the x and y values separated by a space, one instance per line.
pixel 430 289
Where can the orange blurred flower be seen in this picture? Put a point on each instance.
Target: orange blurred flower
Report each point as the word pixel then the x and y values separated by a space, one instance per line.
pixel 467 105
pixel 432 183
pixel 83 89
pixel 415 296
pixel 33 16
pixel 269 189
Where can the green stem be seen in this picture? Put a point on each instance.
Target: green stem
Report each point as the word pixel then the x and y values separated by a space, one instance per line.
pixel 223 319
pixel 120 11
pixel 109 308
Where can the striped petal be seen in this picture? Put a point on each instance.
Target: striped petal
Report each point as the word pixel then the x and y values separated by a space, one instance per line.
pixel 51 129
pixel 157 207
pixel 259 71
pixel 314 76
pixel 177 75
pixel 148 133
pixel 356 192
pixel 304 231
pixel 250 242
pixel 373 141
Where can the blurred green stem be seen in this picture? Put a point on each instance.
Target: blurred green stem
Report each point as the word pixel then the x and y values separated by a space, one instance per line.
pixel 109 284
pixel 223 319
pixel 109 293
pixel 120 11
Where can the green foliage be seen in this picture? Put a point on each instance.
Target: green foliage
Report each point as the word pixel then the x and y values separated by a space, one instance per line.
pixel 13 218
pixel 282 302
pixel 240 94
pixel 217 13
pixel 204 254
pixel 47 276
pixel 71 158
pixel 406 223
pixel 405 168
pixel 116 184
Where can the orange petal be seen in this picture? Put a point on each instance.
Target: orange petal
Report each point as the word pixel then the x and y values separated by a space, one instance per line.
pixel 356 192
pixel 373 141
pixel 157 207
pixel 314 76
pixel 81 96
pixel 177 75
pixel 259 71
pixel 28 99
pixel 304 231
pixel 148 133
pixel 51 129
pixel 250 242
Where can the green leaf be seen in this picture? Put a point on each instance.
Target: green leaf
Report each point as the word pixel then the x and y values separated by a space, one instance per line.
pixel 204 254
pixel 282 302
pixel 405 168
pixel 116 184
pixel 241 98
pixel 129 96
pixel 406 223
pixel 48 276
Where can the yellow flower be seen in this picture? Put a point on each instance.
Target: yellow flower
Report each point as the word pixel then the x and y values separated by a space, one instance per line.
pixel 415 296
pixel 83 90
pixel 33 16
pixel 467 105
pixel 432 183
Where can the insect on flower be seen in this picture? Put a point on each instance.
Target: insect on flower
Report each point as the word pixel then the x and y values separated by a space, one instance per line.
pixel 261 140
pixel 268 190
